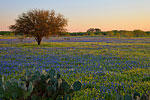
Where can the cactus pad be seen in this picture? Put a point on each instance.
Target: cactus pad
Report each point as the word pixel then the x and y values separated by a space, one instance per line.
pixel 77 86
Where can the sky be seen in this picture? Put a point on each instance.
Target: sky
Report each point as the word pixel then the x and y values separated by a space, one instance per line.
pixel 84 14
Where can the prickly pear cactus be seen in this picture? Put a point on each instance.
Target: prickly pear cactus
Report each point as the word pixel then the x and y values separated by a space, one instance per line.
pixel 77 86
pixel 38 86
pixel 135 96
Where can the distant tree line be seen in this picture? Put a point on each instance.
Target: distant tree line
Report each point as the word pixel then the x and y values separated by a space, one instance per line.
pixel 113 33
pixel 6 33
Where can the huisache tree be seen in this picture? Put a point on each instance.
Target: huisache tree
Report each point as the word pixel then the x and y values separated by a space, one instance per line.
pixel 39 23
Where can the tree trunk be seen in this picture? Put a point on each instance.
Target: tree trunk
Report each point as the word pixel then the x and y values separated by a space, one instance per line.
pixel 39 42
pixel 38 39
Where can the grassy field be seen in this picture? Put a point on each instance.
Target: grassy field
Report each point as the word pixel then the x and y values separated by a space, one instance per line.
pixel 103 65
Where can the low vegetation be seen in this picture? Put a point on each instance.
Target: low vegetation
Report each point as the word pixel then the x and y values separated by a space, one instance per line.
pixel 108 68
pixel 38 86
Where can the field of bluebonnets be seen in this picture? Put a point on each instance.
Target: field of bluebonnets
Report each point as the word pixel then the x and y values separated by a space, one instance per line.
pixel 103 65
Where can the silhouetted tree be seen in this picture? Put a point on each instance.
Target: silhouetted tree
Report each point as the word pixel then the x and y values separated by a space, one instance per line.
pixel 39 23
pixel 91 30
pixel 94 30
pixel 97 30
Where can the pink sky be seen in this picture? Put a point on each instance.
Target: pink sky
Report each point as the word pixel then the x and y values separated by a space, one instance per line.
pixel 84 14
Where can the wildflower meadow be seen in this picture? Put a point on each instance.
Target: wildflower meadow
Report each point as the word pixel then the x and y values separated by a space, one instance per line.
pixel 103 65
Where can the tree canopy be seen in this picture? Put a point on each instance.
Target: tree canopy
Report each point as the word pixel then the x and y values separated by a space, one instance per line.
pixel 40 23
